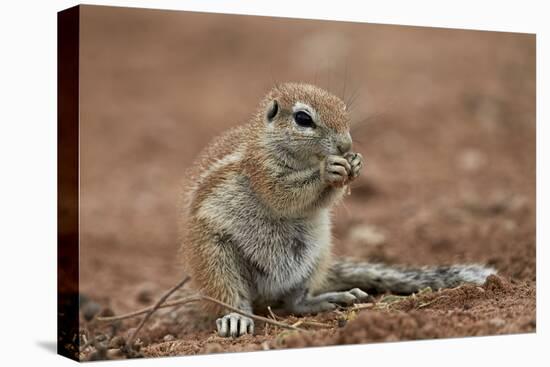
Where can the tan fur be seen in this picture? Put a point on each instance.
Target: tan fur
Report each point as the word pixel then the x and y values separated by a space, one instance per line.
pixel 255 214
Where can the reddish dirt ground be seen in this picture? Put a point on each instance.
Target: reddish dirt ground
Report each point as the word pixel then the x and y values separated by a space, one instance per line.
pixel 448 138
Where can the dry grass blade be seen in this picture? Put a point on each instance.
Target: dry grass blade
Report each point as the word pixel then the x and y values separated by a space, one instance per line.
pixel 316 324
pixel 273 316
pixel 426 304
pixel 362 306
pixel 298 323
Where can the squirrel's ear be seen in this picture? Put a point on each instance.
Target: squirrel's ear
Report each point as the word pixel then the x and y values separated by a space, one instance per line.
pixel 272 110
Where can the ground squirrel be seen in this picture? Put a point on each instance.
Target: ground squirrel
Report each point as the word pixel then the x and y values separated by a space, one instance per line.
pixel 256 227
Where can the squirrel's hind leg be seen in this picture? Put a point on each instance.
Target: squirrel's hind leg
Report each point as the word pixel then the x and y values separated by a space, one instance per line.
pixel 216 268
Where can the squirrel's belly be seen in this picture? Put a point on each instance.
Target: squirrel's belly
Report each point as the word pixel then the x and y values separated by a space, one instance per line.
pixel 295 258
pixel 283 278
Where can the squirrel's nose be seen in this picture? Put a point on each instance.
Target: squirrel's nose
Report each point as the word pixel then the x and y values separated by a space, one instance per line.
pixel 344 144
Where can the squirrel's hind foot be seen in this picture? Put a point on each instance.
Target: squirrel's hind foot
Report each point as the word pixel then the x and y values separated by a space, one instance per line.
pixel 326 301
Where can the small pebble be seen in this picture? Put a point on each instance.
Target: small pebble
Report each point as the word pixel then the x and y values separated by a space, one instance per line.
pixel 342 322
pixel 90 310
pixel 169 338
pixel 497 322
pixel 106 312
pixel 115 354
pixel 117 342
pixel 101 337
pixel 145 294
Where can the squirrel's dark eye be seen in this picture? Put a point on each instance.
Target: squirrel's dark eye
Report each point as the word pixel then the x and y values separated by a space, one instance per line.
pixel 303 119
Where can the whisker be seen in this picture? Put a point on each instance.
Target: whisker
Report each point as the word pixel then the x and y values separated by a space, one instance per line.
pixel 271 74
pixel 328 76
pixel 354 92
pixel 353 98
pixel 316 75
pixel 345 80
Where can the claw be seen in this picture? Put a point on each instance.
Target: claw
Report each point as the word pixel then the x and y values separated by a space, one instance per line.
pixel 356 162
pixel 234 325
pixel 359 294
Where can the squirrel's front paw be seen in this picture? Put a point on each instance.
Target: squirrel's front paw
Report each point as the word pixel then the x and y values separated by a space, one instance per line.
pixel 335 170
pixel 355 161
pixel 234 325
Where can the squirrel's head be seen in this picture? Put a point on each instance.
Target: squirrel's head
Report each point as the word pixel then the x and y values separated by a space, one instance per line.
pixel 305 122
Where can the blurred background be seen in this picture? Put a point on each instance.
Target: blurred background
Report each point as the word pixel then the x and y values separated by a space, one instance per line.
pixel 446 123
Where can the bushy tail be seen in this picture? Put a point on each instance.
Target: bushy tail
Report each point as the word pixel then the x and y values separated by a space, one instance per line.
pixel 346 274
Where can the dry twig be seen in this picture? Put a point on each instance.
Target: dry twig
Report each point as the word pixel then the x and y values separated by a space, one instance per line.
pixel 152 310
pixel 195 298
